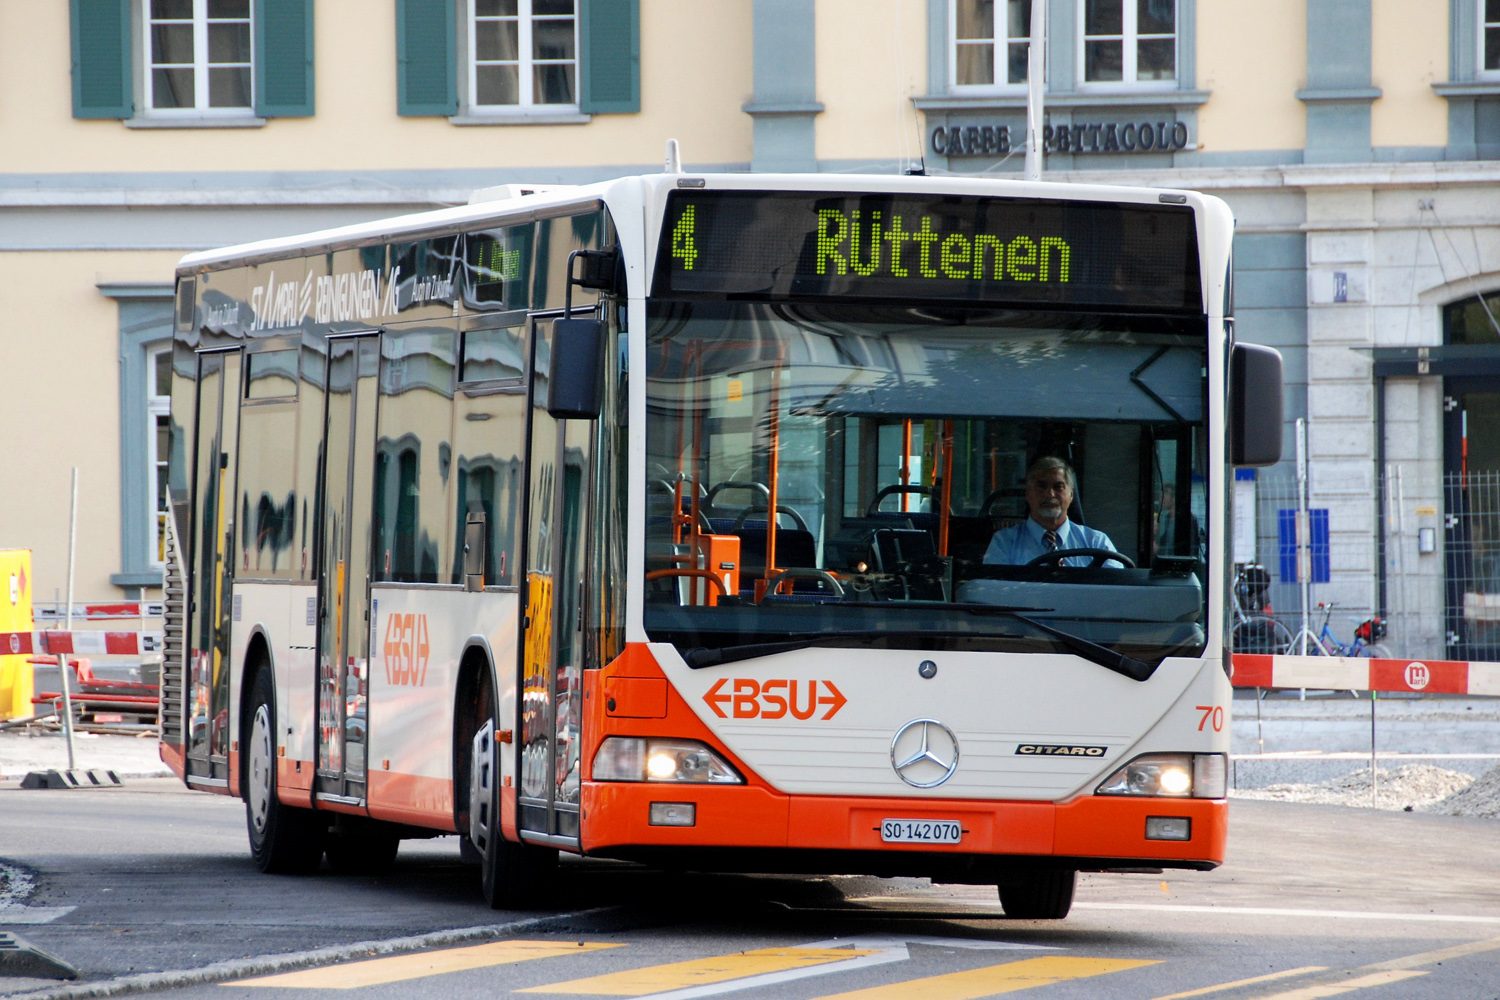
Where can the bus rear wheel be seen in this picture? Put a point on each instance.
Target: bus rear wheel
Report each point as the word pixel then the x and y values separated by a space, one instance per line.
pixel 283 839
pixel 1040 895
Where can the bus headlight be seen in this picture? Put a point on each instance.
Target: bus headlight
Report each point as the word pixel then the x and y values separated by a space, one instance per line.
pixel 632 758
pixel 1170 775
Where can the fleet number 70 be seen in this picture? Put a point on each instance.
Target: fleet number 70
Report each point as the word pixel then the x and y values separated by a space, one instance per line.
pixel 1211 713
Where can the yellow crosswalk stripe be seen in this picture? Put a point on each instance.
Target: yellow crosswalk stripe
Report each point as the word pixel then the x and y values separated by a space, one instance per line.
pixel 699 971
pixel 397 968
pixel 1440 955
pixel 994 979
pixel 1348 985
pixel 1269 978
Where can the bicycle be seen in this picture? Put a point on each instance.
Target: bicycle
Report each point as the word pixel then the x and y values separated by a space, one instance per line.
pixel 1366 642
pixel 1256 631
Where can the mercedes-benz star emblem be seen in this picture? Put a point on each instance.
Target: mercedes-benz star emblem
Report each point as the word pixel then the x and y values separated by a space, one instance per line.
pixel 924 753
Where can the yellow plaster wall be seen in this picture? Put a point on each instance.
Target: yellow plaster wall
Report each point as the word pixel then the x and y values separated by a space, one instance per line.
pixel 696 73
pixel 872 59
pixel 1408 54
pixel 1253 59
pixel 64 335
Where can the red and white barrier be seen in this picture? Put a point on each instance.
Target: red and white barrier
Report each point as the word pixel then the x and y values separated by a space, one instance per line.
pixel 98 612
pixel 1358 673
pixel 55 643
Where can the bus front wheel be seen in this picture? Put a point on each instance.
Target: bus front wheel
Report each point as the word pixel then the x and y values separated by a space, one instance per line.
pixel 283 839
pixel 1039 895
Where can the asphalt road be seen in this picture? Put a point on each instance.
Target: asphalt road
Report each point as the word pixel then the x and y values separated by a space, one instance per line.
pixel 154 878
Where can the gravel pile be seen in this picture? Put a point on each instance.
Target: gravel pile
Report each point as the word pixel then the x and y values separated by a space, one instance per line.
pixel 1415 786
pixel 1481 798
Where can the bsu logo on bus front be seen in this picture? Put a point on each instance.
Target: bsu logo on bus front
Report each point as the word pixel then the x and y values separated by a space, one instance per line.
pixel 752 699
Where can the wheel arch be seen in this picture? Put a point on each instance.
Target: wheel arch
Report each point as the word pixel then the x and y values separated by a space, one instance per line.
pixel 258 658
pixel 476 671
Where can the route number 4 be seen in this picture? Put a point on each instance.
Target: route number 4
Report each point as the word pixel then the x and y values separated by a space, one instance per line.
pixel 683 247
pixel 1211 714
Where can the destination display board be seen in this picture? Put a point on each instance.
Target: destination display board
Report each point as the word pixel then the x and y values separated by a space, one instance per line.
pixel 883 247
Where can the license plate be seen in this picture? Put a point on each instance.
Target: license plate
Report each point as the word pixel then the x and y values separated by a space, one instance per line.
pixel 920 831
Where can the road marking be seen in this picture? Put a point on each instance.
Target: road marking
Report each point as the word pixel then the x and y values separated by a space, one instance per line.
pixel 994 979
pixel 1347 986
pixel 1268 911
pixel 398 968
pixel 675 977
pixel 1271 977
pixel 1440 955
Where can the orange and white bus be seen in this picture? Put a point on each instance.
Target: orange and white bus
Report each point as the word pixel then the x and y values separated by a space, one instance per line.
pixel 732 522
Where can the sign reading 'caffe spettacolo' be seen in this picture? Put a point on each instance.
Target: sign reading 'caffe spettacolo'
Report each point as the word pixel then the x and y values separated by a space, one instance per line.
pixel 1081 138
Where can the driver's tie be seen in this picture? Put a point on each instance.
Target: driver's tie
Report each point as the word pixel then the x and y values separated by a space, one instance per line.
pixel 1050 539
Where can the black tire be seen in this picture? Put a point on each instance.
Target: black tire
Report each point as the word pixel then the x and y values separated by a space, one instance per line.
pixel 1261 634
pixel 284 839
pixel 363 853
pixel 517 876
pixel 1041 895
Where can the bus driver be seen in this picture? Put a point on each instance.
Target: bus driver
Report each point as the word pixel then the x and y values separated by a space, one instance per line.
pixel 1050 488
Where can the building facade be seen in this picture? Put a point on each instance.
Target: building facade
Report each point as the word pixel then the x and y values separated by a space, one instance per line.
pixel 1358 142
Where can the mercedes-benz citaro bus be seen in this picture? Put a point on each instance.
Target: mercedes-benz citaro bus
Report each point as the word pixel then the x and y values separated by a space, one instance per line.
pixel 721 522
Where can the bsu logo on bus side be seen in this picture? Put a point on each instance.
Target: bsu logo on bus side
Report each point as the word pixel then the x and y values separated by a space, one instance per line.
pixel 752 699
pixel 406 649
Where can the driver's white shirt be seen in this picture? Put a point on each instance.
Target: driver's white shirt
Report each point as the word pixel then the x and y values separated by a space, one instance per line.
pixel 1021 543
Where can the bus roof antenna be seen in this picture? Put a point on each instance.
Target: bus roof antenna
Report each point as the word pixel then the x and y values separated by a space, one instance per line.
pixel 674 158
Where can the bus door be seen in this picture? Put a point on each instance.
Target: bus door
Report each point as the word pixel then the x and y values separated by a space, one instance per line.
pixel 212 548
pixel 346 501
pixel 557 463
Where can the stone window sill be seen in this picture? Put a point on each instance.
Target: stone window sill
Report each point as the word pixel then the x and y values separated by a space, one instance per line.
pixel 559 118
pixel 223 121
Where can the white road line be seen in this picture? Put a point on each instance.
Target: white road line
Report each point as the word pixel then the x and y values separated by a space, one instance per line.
pixel 18 914
pixel 889 949
pixel 1269 911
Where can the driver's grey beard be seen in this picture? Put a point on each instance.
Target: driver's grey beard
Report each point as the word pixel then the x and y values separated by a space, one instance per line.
pixel 1051 509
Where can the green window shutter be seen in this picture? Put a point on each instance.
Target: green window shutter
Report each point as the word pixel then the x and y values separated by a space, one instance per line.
pixel 610 51
pixel 426 58
pixel 101 58
pixel 284 58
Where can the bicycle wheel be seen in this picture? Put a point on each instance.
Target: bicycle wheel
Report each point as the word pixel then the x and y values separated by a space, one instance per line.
pixel 1375 651
pixel 1261 634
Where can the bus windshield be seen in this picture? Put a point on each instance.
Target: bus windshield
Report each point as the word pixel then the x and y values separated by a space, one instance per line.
pixel 909 476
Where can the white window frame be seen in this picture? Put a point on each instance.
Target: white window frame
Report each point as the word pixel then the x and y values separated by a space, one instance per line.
pixel 1129 39
pixel 158 505
pixel 201 108
pixel 1481 71
pixel 999 43
pixel 525 64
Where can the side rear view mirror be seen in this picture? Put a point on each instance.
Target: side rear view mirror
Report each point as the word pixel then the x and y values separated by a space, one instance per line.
pixel 576 386
pixel 1254 405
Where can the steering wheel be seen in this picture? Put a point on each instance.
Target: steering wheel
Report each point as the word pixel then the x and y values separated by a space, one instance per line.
pixel 886 491
pixel 781 508
pixel 1101 556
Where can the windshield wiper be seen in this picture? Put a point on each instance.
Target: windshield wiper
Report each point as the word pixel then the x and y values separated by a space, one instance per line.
pixel 1136 670
pixel 706 657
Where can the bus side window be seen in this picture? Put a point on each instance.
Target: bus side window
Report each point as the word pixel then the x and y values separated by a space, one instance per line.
pixel 488 444
pixel 409 520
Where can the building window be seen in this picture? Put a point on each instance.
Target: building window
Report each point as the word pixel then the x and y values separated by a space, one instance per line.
pixel 523 54
pixel 990 43
pixel 199 56
pixel 158 447
pixel 1489 37
pixel 1130 41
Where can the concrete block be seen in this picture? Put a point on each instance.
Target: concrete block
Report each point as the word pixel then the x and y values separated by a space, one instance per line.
pixel 1281 328
pixel 1331 206
pixel 1269 252
pixel 1344 439
pixel 1333 285
pixel 1326 361
pixel 1339 248
pixel 1338 322
pixel 1269 289
pixel 1403 248
pixel 1396 326
pixel 1332 478
pixel 1339 399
